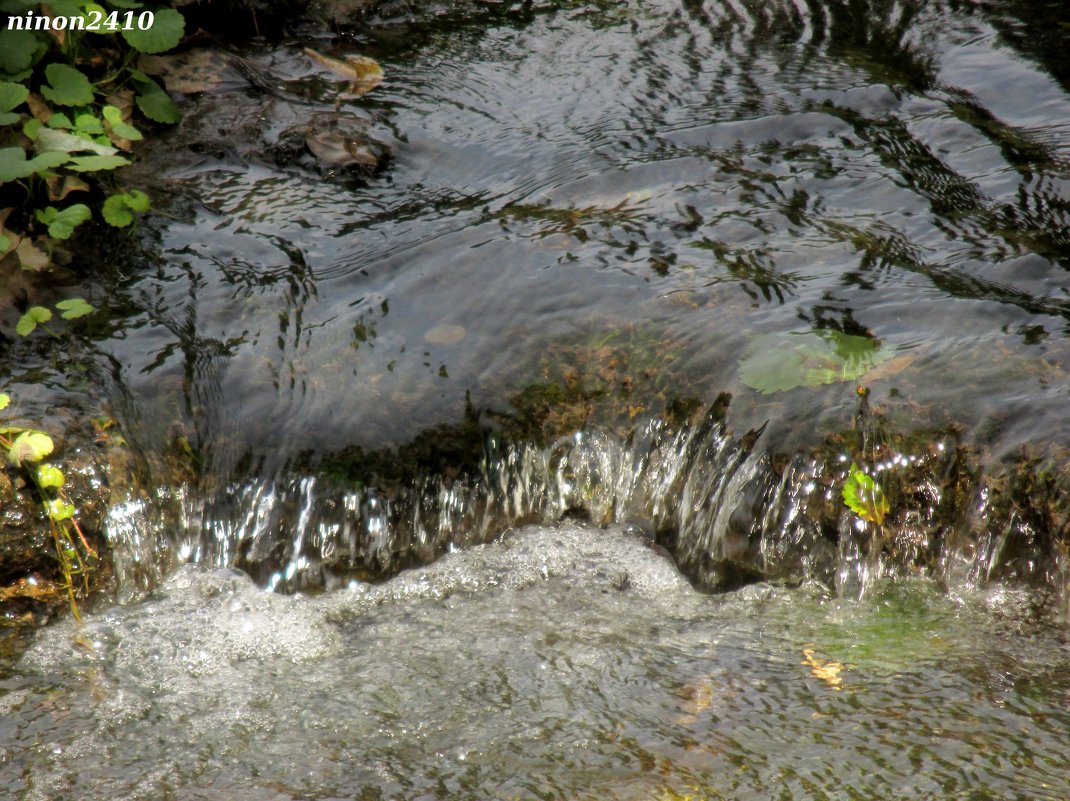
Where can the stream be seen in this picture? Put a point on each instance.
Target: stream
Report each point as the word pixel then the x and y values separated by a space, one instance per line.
pixel 514 466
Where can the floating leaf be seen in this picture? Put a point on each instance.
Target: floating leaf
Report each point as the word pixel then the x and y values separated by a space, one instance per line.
pixel 59 510
pixel 113 116
pixel 827 670
pixel 117 208
pixel 48 476
pixel 864 496
pixel 363 73
pixel 335 147
pixel 779 362
pixel 49 140
pixel 73 308
pixel 5 400
pixel 29 446
pixel 61 224
pixel 189 72
pixel 30 320
pixel 164 33
pixel 67 86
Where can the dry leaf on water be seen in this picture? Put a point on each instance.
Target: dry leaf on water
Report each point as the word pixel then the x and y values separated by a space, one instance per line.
pixel 363 73
pixel 827 670
pixel 197 70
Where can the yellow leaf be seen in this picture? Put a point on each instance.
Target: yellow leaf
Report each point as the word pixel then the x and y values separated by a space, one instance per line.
pixel 826 670
pixel 363 73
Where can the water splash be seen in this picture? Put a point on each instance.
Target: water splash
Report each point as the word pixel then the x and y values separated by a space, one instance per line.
pixel 729 510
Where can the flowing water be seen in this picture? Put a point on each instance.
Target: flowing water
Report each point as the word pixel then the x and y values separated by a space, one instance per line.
pixel 627 263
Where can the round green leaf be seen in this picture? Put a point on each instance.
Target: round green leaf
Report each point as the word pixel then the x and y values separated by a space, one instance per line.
pixel 30 320
pixel 166 32
pixel 61 224
pixel 67 86
pixel 156 104
pixel 29 446
pixel 5 400
pixel 89 123
pixel 5 246
pixel 73 308
pixel 59 509
pixel 114 117
pixel 16 50
pixel 49 475
pixel 12 95
pixel 864 496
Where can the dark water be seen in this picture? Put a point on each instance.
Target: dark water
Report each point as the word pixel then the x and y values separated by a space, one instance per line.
pixel 603 229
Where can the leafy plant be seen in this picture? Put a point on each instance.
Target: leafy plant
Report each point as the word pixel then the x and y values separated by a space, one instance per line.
pixel 67 99
pixel 38 316
pixel 864 496
pixel 25 450
pixel 779 362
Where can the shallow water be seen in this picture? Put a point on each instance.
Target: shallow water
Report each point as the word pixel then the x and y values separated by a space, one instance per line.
pixel 596 215
pixel 563 663
pixel 599 226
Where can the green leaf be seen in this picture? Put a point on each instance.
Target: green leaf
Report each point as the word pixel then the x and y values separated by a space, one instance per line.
pixel 864 496
pixel 31 128
pixel 29 446
pixel 64 8
pixel 61 224
pixel 5 246
pixel 73 308
pixel 8 117
pixel 29 321
pixel 89 123
pixel 114 118
pixel 12 95
pixel 49 140
pixel 166 32
pixel 779 362
pixel 17 49
pixel 15 165
pixel 67 86
pixel 58 509
pixel 60 120
pixel 49 475
pixel 5 400
pixel 96 163
pixel 124 4
pixel 117 208
pixel 155 103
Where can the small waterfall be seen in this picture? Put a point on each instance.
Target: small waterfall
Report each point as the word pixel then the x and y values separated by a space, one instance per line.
pixel 729 510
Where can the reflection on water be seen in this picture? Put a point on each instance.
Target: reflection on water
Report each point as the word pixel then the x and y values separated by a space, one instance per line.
pixel 595 215
pixel 563 663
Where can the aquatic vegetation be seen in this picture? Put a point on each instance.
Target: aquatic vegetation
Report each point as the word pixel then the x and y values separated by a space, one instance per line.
pixel 779 362
pixel 38 316
pixel 864 496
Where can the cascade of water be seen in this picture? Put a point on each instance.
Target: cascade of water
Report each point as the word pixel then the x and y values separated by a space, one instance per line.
pixel 729 512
